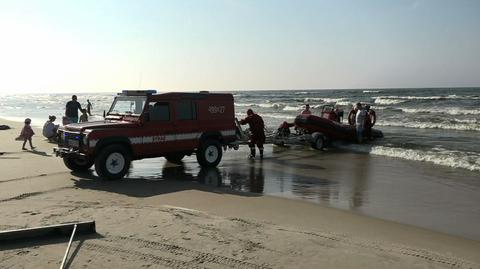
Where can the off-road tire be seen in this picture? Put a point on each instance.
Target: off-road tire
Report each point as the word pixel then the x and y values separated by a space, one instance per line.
pixel 78 164
pixel 209 153
pixel 175 157
pixel 112 162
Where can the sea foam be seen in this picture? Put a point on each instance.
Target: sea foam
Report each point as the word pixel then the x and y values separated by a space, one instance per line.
pixel 387 101
pixel 452 159
pixel 444 110
pixel 433 125
pixel 438 156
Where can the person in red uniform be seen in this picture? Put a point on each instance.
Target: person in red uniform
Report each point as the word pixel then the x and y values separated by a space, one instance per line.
pixel 256 125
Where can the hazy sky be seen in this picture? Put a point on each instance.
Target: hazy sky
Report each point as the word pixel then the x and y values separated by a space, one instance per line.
pixel 101 45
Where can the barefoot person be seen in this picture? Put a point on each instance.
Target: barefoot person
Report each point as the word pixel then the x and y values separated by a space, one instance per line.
pixel 26 134
pixel 256 125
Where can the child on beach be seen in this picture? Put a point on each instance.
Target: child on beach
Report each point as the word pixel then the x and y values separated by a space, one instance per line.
pixel 26 134
pixel 84 116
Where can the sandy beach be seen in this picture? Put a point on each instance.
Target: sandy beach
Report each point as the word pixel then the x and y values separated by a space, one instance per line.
pixel 167 219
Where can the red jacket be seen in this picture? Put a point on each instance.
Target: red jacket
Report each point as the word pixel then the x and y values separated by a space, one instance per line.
pixel 256 125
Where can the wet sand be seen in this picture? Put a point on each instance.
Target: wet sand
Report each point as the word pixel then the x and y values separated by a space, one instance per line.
pixel 416 193
pixel 169 216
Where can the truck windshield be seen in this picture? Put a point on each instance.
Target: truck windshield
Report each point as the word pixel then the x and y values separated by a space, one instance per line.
pixel 128 105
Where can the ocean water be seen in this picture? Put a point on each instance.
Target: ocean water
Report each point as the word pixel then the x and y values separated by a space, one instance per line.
pixel 438 126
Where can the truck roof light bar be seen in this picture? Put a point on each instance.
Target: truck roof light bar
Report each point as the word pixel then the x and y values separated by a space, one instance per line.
pixel 137 92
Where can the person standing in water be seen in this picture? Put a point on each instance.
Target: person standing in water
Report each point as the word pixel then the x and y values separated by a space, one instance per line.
pixel 369 122
pixel 256 125
pixel 360 122
pixel 71 110
pixel 307 110
pixel 89 108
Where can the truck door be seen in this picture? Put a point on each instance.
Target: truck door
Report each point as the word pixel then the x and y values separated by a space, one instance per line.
pixel 160 136
pixel 186 121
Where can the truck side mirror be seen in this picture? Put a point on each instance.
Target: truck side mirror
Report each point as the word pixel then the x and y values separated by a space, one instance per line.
pixel 104 114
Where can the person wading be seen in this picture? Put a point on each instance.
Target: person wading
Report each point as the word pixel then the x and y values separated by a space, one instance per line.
pixel 71 110
pixel 89 107
pixel 256 125
pixel 360 122
pixel 307 110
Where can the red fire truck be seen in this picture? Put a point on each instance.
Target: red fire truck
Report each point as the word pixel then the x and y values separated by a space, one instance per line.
pixel 143 124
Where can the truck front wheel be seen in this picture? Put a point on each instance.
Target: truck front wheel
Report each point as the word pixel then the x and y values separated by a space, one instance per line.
pixel 209 153
pixel 112 162
pixel 77 164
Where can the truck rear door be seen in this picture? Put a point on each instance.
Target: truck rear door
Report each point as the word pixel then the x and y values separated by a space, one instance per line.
pixel 186 122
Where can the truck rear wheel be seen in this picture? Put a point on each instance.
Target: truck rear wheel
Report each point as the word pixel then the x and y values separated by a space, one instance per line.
pixel 209 153
pixel 77 164
pixel 112 162
pixel 175 157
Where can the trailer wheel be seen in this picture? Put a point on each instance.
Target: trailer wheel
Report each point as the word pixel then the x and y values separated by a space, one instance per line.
pixel 209 153
pixel 174 157
pixel 113 162
pixel 319 142
pixel 78 164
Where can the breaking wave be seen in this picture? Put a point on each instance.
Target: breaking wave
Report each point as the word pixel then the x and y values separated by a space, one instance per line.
pixel 271 105
pixel 445 110
pixel 372 91
pixel 282 117
pixel 324 99
pixel 454 159
pixel 438 156
pixel 451 97
pixel 291 108
pixel 387 101
pixel 434 125
pixel 244 104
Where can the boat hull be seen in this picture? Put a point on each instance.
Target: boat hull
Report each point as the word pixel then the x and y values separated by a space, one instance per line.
pixel 331 129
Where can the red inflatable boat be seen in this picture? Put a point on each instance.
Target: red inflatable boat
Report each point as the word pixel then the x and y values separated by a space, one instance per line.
pixel 329 126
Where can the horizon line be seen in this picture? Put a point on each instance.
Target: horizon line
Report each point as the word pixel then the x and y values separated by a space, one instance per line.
pixel 238 90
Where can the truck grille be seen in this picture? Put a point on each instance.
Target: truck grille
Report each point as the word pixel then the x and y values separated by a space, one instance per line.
pixel 68 139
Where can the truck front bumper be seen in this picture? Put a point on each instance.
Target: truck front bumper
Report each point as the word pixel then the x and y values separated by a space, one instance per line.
pixel 67 152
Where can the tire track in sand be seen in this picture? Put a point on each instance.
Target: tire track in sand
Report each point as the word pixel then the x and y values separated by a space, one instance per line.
pixel 450 261
pixel 30 194
pixel 197 259
pixel 34 176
